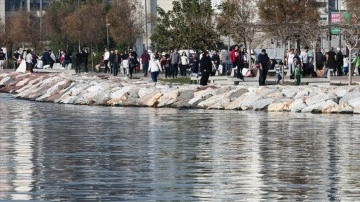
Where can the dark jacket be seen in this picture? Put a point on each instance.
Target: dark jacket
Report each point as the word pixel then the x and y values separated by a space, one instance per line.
pixel 216 59
pixel 263 60
pixel 205 64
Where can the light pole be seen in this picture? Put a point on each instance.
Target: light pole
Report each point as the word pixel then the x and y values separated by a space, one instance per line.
pixel 107 34
pixel 146 26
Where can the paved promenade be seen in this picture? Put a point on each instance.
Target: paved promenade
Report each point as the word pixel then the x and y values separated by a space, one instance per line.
pixel 335 80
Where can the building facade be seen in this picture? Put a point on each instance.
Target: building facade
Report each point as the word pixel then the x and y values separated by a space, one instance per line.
pixel 8 7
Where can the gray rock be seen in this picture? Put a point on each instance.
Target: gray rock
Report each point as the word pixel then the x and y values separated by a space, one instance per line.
pixel 320 98
pixel 340 92
pixel 55 89
pixel 341 109
pixel 297 105
pixel 150 99
pixel 120 92
pixel 319 107
pixel 348 96
pixel 249 100
pixel 201 97
pixel 236 93
pixel 302 93
pixel 183 99
pixel 289 92
pixel 168 98
pixel 236 104
pixel 262 104
pixel 354 102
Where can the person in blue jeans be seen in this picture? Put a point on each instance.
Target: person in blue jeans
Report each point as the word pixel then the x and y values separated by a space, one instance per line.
pixel 154 68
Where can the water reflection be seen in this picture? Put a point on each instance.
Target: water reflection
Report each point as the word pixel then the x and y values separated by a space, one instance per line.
pixel 81 153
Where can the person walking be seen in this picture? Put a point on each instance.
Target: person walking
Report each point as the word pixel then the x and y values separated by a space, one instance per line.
pixel 154 68
pixel 29 61
pixel 216 62
pixel 167 64
pixel 305 62
pixel 264 62
pixel 2 59
pixel 174 59
pixel 125 63
pixel 235 58
pixel 345 68
pixel 132 64
pixel 85 59
pixel 78 62
pixel 52 59
pixel 331 60
pixel 356 62
pixel 115 62
pixel 144 59
pixel 184 64
pixel 205 68
pixel 16 58
pixel 339 61
pixel 106 60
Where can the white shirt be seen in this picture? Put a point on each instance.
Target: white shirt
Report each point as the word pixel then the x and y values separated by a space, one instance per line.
pixel 290 58
pixel 106 55
pixel 346 62
pixel 29 58
pixel 154 66
pixel 304 57
pixel 184 60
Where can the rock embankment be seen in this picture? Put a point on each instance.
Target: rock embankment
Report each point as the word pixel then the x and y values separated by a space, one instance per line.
pixel 116 91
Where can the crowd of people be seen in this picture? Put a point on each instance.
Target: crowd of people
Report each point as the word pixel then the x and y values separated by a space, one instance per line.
pixel 207 63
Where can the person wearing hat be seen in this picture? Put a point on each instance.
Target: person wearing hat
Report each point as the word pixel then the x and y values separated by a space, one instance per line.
pixel 264 63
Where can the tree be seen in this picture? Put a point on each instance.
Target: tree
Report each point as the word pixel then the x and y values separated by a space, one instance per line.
pixel 351 36
pixel 190 25
pixel 237 20
pixel 353 6
pixel 23 30
pixel 125 24
pixel 54 21
pixel 286 20
pixel 85 25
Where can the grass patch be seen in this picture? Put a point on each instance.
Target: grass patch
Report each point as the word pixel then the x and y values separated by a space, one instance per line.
pixel 182 80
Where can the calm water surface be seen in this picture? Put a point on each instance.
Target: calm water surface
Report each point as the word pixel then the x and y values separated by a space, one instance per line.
pixel 51 152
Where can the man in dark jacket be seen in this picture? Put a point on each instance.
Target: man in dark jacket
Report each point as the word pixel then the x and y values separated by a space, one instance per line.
pixel 264 62
pixel 78 56
pixel 205 68
pixel 85 59
pixel 216 61
pixel 339 61
pixel 145 58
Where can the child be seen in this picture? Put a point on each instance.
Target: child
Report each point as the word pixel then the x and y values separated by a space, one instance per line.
pixel 298 72
pixel 345 68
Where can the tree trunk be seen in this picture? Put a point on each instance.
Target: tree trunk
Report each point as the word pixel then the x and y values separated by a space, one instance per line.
pixel 350 68
pixel 282 68
pixel 92 57
pixel 249 57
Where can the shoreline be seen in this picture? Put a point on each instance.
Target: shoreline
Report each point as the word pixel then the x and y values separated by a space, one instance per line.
pixel 120 91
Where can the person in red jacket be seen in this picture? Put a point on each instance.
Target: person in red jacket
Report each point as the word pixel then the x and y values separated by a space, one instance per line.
pixel 235 58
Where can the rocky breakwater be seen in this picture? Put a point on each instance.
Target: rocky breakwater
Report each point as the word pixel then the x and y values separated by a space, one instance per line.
pixel 117 91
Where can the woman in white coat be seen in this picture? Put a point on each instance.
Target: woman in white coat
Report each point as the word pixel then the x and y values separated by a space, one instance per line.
pixel 154 67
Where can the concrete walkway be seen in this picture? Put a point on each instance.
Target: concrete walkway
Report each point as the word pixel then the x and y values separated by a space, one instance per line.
pixel 335 80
